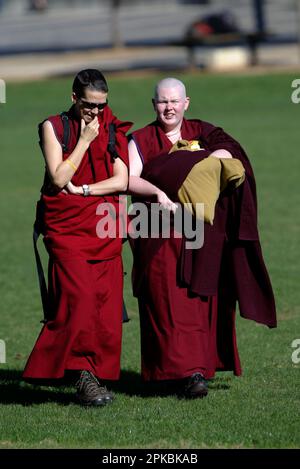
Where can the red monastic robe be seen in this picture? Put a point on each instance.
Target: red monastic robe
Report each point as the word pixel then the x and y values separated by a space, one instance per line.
pixel 85 271
pixel 186 301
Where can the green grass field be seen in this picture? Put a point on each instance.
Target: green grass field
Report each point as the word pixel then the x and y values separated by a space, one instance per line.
pixel 258 410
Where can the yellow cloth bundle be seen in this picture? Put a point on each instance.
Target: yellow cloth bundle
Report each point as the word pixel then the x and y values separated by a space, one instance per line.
pixel 206 180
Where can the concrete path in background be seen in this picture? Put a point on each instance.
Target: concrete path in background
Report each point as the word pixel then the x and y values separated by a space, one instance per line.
pixel 35 66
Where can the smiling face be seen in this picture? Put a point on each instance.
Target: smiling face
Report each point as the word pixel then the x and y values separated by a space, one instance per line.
pixel 170 104
pixel 87 106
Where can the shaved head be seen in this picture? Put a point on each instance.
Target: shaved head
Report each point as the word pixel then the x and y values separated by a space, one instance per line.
pixel 170 103
pixel 169 83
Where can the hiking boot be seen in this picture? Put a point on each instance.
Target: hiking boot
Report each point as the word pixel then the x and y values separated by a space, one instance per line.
pixel 90 392
pixel 196 387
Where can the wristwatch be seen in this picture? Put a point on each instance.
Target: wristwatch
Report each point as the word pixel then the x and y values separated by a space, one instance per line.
pixel 86 190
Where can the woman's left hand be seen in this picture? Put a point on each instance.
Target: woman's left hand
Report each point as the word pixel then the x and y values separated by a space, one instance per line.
pixel 221 154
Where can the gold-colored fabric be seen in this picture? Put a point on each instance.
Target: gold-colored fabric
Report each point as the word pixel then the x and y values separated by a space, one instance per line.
pixel 232 172
pixel 191 145
pixel 206 180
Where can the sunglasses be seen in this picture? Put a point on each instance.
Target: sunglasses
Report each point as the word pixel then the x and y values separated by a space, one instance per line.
pixel 88 105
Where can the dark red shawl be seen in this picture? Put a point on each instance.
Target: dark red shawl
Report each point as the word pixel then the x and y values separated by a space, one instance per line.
pixel 231 257
pixel 69 221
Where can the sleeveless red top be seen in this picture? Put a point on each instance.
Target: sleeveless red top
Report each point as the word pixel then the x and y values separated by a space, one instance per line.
pixel 70 223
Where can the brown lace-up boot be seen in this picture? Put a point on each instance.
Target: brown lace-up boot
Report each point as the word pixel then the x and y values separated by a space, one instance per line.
pixel 90 392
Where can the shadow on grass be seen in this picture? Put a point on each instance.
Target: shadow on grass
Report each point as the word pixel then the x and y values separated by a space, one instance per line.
pixel 130 383
pixel 13 390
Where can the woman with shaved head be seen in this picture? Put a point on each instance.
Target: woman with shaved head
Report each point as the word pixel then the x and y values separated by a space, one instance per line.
pixel 186 297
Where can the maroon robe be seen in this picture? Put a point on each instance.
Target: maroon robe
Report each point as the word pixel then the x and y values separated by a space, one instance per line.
pixel 85 271
pixel 187 306
pixel 232 244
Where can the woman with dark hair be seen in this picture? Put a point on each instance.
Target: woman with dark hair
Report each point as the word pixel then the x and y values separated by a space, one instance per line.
pixel 84 322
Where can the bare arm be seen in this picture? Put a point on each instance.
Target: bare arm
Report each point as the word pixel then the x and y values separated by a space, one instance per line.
pixel 117 183
pixel 139 186
pixel 61 171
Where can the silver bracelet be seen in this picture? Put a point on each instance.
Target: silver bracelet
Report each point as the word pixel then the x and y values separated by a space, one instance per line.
pixel 86 190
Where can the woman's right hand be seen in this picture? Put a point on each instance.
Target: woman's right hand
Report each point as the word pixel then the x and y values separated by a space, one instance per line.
pixel 90 131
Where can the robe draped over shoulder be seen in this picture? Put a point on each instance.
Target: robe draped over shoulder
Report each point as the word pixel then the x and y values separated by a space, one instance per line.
pixel 231 245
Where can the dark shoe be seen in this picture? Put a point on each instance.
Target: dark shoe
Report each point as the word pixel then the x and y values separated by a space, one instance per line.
pixel 196 387
pixel 90 392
